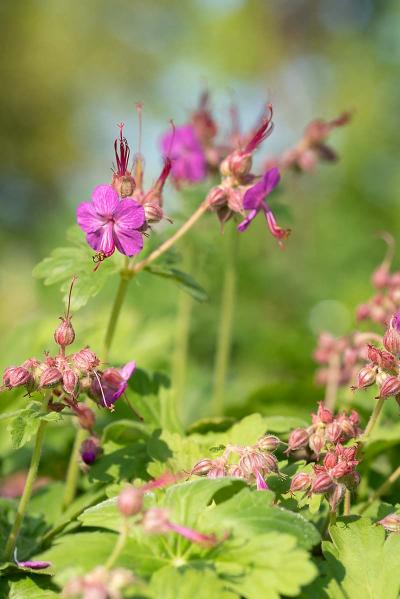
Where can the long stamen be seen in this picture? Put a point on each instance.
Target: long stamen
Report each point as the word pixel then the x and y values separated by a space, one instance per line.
pixel 101 390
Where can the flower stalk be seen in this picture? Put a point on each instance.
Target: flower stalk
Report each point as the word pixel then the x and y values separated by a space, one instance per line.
pixel 374 418
pixel 71 481
pixel 119 545
pixel 115 312
pixel 27 492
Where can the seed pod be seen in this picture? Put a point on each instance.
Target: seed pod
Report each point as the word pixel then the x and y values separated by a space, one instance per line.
pixel 130 501
pixel 300 482
pixel 64 334
pixel 391 523
pixel 336 496
pixel 50 377
pixel 202 467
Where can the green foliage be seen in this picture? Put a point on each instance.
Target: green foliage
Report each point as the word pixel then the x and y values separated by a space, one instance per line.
pixel 184 281
pixel 24 426
pixel 76 260
pixel 202 583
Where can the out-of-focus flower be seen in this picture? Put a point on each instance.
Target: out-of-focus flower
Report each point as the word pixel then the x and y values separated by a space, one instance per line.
pixel 183 146
pixel 90 450
pixel 100 583
pixel 391 523
pixel 111 384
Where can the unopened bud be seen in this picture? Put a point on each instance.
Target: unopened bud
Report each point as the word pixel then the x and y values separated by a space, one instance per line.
pixel 16 377
pixel 330 460
pixel 50 377
pixel 298 438
pixel 202 467
pixel 130 501
pixel 336 496
pixel 64 334
pixel 70 381
pixel 268 443
pixel 85 360
pixel 236 164
pixel 391 523
pixel 333 432
pixel 153 212
pixel 217 197
pixel 317 442
pixel 366 377
pixel 363 312
pixel 300 482
pixel 391 339
pixel 381 277
pixel 86 417
pixel 90 450
pixel 324 414
pixel 322 483
pixel 391 386
pixel 218 469
pixel 341 469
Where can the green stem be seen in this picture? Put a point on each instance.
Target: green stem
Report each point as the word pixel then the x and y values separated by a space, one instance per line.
pixel 373 419
pixel 181 349
pixel 71 481
pixel 119 545
pixel 26 495
pixel 332 518
pixel 381 490
pixel 347 503
pixel 224 335
pixel 115 312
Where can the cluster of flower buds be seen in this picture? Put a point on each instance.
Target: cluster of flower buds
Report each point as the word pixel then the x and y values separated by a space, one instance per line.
pixel 156 520
pixel 331 477
pixel 391 523
pixel 63 378
pixel 383 368
pixel 100 583
pixel 326 430
pixel 252 464
pixel 386 300
pixel 312 147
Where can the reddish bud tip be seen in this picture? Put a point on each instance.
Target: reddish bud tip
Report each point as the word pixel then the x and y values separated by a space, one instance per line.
pixel 50 377
pixel 64 334
pixel 322 483
pixel 130 501
pixel 298 438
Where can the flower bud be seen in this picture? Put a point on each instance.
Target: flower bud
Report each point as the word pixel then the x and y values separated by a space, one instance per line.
pixel 322 483
pixel 50 377
pixel 70 381
pixel 86 417
pixel 341 469
pixel 298 438
pixel 85 360
pixel 324 414
pixel 217 197
pixel 16 377
pixel 363 312
pixel 235 471
pixel 202 467
pixel 130 501
pixel 391 386
pixel 236 164
pixel 64 334
pixel 300 482
pixel 268 443
pixel 153 212
pixel 317 442
pixel 381 277
pixel 391 523
pixel 336 496
pixel 155 520
pixel 333 432
pixel 218 469
pixel 90 450
pixel 330 460
pixel 391 339
pixel 366 376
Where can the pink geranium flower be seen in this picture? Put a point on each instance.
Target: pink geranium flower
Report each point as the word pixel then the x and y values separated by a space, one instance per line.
pixel 111 223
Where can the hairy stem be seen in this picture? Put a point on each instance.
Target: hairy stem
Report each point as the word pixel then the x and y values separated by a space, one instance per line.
pixel 381 490
pixel 71 480
pixel 119 545
pixel 115 312
pixel 373 419
pixel 347 503
pixel 26 495
pixel 164 247
pixel 224 335
pixel 333 382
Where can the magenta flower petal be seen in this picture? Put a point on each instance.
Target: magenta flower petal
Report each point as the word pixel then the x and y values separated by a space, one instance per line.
pixel 245 223
pixel 121 389
pixel 193 535
pixel 129 214
pixel 261 484
pixel 87 217
pixel 127 370
pixel 186 153
pixel 34 565
pixel 102 240
pixel 254 196
pixel 128 243
pixel 105 200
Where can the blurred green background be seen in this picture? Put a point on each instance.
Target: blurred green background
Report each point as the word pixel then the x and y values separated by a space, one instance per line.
pixel 72 70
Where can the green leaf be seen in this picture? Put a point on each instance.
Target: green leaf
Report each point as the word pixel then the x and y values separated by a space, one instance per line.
pixel 120 463
pixel 123 432
pixel 283 424
pixel 66 262
pixel 184 281
pixel 362 561
pixel 25 425
pixel 267 566
pixel 144 383
pixel 187 583
pixel 32 587
pixel 250 512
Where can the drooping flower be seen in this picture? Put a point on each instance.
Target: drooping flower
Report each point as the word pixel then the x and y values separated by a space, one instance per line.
pixel 111 223
pixel 112 384
pixel 183 146
pixel 254 201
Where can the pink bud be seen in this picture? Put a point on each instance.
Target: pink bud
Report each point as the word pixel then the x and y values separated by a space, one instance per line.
pixel 236 164
pixel 202 467
pixel 70 381
pixel 336 496
pixel 85 360
pixel 363 312
pixel 64 334
pixel 322 483
pixel 298 438
pixel 268 443
pixel 130 501
pixel 300 482
pixel 324 414
pixel 380 277
pixel 333 432
pixel 218 469
pixel 330 460
pixel 317 442
pixel 50 377
pixel 391 523
pixel 366 376
pixel 235 471
pixel 391 386
pixel 341 469
pixel 260 482
pixel 16 377
pixel 391 339
pixel 86 417
pixel 153 212
pixel 217 197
